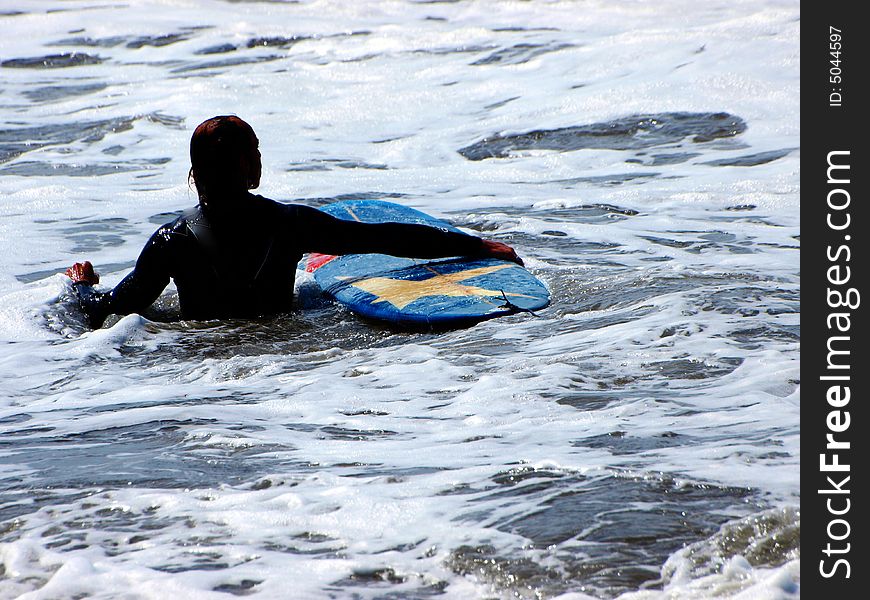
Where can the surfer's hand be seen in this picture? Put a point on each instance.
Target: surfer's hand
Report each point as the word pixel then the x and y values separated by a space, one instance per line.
pixel 83 273
pixel 502 251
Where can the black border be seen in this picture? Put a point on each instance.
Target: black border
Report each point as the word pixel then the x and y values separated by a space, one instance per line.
pixel 827 127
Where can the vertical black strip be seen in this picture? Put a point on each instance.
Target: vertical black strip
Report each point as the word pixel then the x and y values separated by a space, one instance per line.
pixel 834 370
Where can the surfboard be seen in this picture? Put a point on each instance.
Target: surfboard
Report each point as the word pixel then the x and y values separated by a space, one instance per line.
pixel 451 292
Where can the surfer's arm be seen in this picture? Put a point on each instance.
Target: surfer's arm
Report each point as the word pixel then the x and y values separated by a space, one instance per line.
pixel 323 233
pixel 93 303
pixel 136 292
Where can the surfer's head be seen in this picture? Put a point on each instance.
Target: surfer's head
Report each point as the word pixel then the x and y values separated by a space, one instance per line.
pixel 224 158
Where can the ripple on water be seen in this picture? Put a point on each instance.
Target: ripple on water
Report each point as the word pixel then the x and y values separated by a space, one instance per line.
pixel 629 133
pixel 217 49
pixel 131 42
pixel 275 41
pixel 16 141
pixel 520 54
pixel 608 533
pixel 53 61
pixel 53 93
pixel 232 61
pixel 39 168
pixel 766 539
pixel 327 164
pixel 91 235
pixel 751 160
pixel 153 454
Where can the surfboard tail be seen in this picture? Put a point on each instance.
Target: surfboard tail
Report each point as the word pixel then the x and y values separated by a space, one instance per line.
pixel 316 260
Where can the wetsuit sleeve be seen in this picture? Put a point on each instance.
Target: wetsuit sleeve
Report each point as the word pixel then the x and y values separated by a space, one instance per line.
pixel 323 233
pixel 137 291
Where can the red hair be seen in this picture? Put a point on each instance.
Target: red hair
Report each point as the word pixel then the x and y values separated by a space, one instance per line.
pixel 224 158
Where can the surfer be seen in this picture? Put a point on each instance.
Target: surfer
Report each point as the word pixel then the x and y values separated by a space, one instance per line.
pixel 235 253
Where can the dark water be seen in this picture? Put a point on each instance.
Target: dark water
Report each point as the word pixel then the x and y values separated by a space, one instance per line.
pixel 638 132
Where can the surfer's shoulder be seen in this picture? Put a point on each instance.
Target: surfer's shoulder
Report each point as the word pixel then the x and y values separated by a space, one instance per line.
pixel 177 229
pixel 287 213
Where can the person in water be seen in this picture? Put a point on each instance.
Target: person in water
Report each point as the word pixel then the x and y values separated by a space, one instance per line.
pixel 234 255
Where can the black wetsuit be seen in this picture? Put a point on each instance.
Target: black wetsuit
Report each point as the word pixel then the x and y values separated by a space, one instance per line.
pixel 241 262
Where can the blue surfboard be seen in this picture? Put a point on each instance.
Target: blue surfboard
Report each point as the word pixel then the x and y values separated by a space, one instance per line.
pixel 422 292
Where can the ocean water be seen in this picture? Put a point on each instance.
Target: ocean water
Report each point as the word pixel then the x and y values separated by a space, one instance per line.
pixel 638 439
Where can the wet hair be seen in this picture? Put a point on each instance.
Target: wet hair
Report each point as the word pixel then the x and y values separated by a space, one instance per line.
pixel 223 158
